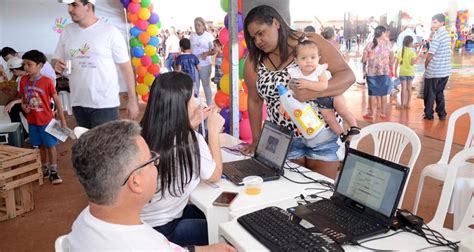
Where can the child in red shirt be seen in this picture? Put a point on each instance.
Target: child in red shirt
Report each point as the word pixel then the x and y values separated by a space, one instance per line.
pixel 36 92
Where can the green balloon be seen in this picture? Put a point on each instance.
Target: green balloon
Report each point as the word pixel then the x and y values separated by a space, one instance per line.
pixel 241 68
pixel 155 59
pixel 159 24
pixel 225 5
pixel 134 42
pixel 145 3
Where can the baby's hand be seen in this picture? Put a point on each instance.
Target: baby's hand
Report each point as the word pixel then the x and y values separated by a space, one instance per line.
pixel 302 83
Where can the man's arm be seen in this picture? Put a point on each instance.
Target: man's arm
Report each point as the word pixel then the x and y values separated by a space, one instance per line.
pixel 127 73
pixel 342 75
pixel 429 57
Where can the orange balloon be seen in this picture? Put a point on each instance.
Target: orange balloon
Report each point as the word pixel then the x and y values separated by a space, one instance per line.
pixel 225 66
pixel 243 101
pixel 141 71
pixel 154 69
pixel 140 79
pixel 132 17
pixel 225 50
pixel 144 38
pixel 145 97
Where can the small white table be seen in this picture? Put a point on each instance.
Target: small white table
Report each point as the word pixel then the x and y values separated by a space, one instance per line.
pixel 273 192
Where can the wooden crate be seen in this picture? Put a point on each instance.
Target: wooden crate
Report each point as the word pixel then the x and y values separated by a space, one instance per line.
pixel 18 169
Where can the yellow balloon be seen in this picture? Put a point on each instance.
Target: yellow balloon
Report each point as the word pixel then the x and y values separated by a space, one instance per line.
pixel 148 79
pixel 141 89
pixel 152 30
pixel 150 50
pixel 144 14
pixel 136 62
pixel 225 84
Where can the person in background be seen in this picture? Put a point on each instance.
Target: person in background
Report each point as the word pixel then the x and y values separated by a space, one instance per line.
pixel 376 60
pixel 171 117
pixel 330 35
pixel 406 59
pixel 219 58
pixel 202 47
pixel 271 42
pixel 172 49
pixel 188 63
pixel 94 49
pixel 36 92
pixel 119 175
pixel 438 69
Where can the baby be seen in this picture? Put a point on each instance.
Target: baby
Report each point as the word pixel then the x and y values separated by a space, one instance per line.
pixel 311 75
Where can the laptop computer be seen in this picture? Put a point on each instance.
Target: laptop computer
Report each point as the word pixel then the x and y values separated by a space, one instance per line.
pixel 364 202
pixel 269 158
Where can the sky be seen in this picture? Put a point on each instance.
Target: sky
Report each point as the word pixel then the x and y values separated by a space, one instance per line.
pixel 181 13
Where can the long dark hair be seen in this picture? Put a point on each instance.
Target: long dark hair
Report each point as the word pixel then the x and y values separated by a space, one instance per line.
pixel 265 14
pixel 167 130
pixel 379 30
pixel 407 40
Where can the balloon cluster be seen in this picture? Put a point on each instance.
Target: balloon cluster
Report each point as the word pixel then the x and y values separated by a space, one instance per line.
pixel 222 98
pixel 462 22
pixel 144 42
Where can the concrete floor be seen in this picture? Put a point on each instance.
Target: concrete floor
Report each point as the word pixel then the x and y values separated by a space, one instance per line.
pixel 56 207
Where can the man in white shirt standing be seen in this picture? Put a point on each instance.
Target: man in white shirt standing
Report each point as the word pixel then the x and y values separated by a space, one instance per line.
pixel 93 49
pixel 119 174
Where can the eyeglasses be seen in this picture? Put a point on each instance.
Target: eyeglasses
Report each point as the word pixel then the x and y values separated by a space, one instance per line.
pixel 155 160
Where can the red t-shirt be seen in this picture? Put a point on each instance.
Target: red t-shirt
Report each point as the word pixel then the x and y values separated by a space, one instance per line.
pixel 38 97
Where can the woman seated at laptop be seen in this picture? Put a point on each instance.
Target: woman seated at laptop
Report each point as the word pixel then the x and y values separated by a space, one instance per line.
pixel 168 124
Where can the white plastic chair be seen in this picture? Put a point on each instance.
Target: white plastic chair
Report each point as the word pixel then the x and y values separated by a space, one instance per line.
pixel 390 139
pixel 61 244
pixel 439 170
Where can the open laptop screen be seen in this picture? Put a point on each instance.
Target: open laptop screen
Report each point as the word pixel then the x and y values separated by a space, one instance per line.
pixel 371 181
pixel 272 146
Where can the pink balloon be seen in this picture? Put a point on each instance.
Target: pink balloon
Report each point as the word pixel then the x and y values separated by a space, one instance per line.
pixel 241 37
pixel 133 7
pixel 146 60
pixel 141 24
pixel 224 36
pixel 245 131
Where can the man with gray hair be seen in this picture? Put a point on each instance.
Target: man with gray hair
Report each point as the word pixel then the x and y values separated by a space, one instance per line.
pixel 119 174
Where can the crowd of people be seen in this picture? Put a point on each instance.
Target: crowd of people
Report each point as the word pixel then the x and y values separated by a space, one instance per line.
pixel 138 177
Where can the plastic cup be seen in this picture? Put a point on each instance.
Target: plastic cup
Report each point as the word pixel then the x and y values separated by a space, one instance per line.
pixel 68 69
pixel 253 185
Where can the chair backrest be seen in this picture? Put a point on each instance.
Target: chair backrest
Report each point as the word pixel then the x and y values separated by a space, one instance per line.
pixel 390 139
pixel 450 132
pixel 61 244
pixel 468 218
pixel 458 160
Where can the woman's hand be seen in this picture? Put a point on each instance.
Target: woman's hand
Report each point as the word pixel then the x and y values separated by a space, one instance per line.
pixel 198 115
pixel 215 121
pixel 249 149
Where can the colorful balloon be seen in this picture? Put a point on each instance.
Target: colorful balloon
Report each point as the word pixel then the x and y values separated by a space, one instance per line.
pixel 221 99
pixel 132 17
pixel 137 51
pixel 241 68
pixel 153 18
pixel 146 60
pixel 152 30
pixel 125 3
pixel 141 70
pixel 154 69
pixel 144 14
pixel 133 7
pixel 142 89
pixel 136 62
pixel 155 59
pixel 135 42
pixel 245 130
pixel 144 38
pixel 225 66
pixel 142 24
pixel 225 5
pixel 154 41
pixel 224 36
pixel 225 84
pixel 148 79
pixel 150 50
pixel 243 101
pixel 239 22
pixel 135 31
pixel 145 97
pixel 145 3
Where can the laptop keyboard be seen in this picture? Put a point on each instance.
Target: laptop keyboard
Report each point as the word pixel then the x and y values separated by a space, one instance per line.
pixel 272 226
pixel 356 224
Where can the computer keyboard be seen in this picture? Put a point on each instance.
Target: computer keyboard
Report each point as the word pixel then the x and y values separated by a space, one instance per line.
pixel 357 224
pixel 274 228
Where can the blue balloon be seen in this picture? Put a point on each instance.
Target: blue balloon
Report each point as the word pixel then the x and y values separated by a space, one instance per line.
pixel 154 41
pixel 239 22
pixel 138 51
pixel 135 31
pixel 125 3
